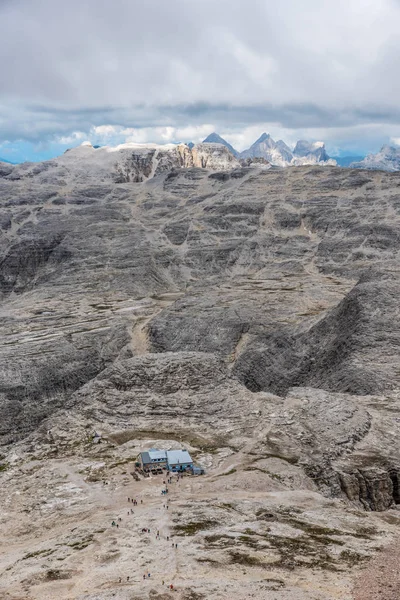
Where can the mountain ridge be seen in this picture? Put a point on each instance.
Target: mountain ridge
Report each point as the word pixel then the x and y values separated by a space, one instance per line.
pixel 278 153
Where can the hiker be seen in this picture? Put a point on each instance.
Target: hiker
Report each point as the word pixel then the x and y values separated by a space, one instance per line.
pixel 120 580
pixel 162 583
pixel 113 524
pixel 117 525
pixel 127 578
pixel 171 587
pixel 144 576
pixel 129 499
pixel 167 538
pixel 141 502
pixel 148 575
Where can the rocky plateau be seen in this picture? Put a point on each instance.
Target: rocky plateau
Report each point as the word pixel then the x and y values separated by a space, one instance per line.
pixel 175 297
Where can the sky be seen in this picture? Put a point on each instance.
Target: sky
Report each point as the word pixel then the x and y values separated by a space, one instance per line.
pixel 110 71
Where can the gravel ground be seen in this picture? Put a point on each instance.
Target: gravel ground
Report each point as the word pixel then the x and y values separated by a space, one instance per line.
pixel 381 579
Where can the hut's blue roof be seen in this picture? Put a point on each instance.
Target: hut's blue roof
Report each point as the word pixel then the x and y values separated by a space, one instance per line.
pixel 176 457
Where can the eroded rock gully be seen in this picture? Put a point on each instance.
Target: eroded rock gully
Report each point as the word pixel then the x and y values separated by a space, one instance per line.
pixel 247 313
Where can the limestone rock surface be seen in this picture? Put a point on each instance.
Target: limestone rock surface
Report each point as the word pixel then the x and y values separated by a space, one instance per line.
pixel 175 297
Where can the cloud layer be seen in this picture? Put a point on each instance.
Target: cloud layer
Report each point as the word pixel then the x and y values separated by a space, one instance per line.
pixel 179 67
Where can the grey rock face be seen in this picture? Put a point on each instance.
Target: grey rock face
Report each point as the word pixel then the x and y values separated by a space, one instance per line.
pixel 309 149
pixel 349 350
pixel 169 390
pixel 194 295
pixel 387 159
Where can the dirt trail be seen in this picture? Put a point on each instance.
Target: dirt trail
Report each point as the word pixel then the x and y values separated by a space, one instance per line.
pixel 381 579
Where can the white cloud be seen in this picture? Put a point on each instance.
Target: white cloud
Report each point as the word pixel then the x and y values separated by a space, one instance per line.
pixel 73 138
pixel 105 130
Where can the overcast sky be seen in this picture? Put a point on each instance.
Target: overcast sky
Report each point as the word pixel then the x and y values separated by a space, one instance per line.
pixel 162 71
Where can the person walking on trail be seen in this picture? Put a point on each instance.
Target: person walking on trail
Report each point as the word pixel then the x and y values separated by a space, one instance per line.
pixel 176 545
pixel 144 576
pixel 148 575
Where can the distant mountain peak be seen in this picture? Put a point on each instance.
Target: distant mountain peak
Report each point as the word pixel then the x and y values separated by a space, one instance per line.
pixel 311 150
pixel 387 159
pixel 215 138
pixel 279 154
pixel 264 136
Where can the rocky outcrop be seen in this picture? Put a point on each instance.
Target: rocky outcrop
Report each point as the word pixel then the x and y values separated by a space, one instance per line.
pixel 373 488
pixel 253 161
pixel 166 391
pixel 215 157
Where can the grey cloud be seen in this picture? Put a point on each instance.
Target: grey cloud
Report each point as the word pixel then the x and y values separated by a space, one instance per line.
pixel 71 65
pixel 36 122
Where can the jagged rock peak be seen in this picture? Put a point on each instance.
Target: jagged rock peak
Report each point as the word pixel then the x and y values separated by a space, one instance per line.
pixel 264 136
pixel 304 148
pixel 277 153
pixel 215 138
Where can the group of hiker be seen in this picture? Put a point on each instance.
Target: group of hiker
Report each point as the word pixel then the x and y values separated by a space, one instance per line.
pixel 147 530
